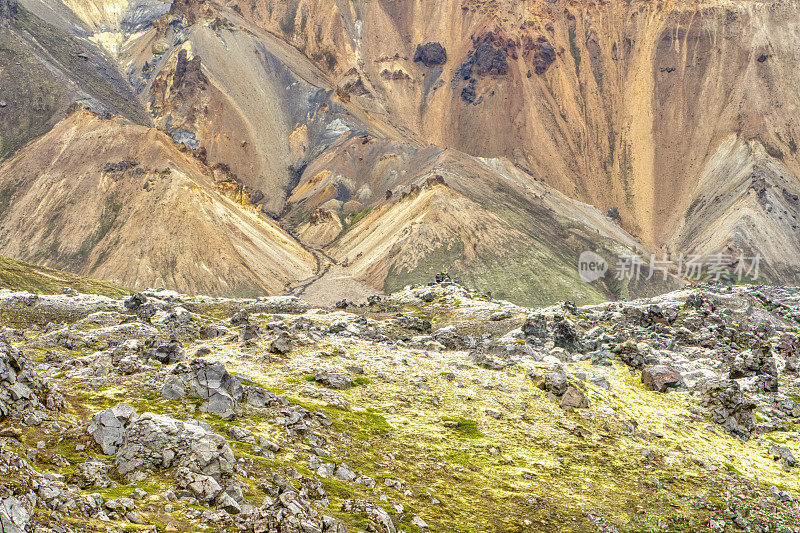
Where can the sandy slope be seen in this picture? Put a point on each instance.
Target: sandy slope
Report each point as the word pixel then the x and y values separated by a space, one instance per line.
pixel 121 202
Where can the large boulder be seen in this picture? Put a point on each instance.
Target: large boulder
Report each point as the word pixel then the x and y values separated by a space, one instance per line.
pixel 759 362
pixel 207 380
pixel 661 378
pixel 555 383
pixel 535 326
pixel 574 398
pixel 15 513
pixel 566 336
pixel 334 380
pixel 156 441
pixel 23 394
pixel 729 406
pixel 108 426
pixel 430 54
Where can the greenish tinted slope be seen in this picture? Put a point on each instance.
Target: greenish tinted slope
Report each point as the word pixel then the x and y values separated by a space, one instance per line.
pixel 21 276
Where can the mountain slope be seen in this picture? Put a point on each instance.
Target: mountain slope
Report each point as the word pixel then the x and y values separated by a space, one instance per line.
pixel 44 69
pixel 21 276
pixel 395 139
pixel 618 104
pixel 121 202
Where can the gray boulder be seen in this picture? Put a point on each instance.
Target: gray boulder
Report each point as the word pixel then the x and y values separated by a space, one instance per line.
pixel 334 380
pixel 381 520
pixel 207 380
pixel 22 390
pixel 555 383
pixel 155 442
pixel 14 515
pixel 108 426
pixel 661 378
pixel 92 473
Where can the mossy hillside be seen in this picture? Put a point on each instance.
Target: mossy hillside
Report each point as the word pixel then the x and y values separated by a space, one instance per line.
pixel 71 55
pixel 32 95
pixel 41 63
pixel 555 457
pixel 22 276
pixel 423 419
pixel 532 274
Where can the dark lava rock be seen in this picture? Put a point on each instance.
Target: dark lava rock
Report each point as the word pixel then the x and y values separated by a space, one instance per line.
pixel 661 378
pixel 188 73
pixel 574 399
pixel 566 336
pixel 535 326
pixel 168 352
pixel 430 54
pixel 132 303
pixel 283 344
pixel 468 92
pixel 490 61
pixel 729 406
pixel 759 362
pixel 544 56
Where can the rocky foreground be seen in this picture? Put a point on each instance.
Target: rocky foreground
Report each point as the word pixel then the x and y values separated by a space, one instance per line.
pixel 434 409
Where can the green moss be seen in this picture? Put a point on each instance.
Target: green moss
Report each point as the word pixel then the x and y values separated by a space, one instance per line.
pixel 22 276
pixel 361 380
pixel 733 470
pixel 464 427
pixel 573 48
pixel 358 216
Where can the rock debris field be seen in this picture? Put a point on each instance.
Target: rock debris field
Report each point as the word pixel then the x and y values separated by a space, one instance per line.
pixel 433 409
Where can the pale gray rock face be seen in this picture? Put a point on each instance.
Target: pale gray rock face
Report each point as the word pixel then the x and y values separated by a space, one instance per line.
pixel 155 442
pixel 22 390
pixel 14 515
pixel 207 380
pixel 108 426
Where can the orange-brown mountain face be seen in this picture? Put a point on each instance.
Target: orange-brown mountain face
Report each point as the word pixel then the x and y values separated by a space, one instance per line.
pixel 615 103
pixel 390 139
pixel 121 202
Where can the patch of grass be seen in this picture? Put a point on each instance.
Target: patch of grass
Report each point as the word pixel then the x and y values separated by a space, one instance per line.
pixel 361 380
pixel 464 426
pixel 733 470
pixel 358 216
